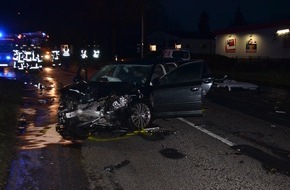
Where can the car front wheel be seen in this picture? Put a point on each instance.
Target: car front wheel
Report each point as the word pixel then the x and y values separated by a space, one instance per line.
pixel 141 116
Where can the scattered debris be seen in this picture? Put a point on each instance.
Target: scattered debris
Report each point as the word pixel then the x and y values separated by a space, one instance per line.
pixel 42 101
pixel 271 164
pixel 111 168
pixel 151 129
pixel 269 169
pixel 281 112
pixel 235 84
pixel 155 134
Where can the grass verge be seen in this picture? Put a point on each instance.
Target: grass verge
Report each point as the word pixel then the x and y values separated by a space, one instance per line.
pixel 10 102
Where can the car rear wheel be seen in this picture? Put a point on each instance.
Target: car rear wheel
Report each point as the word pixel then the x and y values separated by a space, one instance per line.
pixel 141 116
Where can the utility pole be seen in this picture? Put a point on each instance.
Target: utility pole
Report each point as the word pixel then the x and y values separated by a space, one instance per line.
pixel 142 31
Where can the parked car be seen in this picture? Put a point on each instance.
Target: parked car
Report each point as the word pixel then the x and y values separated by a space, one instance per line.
pixel 131 94
pixel 177 54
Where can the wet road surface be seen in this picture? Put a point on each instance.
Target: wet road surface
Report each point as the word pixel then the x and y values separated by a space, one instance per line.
pixel 230 147
pixel 44 159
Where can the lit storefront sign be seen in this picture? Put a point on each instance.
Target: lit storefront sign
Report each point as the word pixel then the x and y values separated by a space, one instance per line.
pixel 230 45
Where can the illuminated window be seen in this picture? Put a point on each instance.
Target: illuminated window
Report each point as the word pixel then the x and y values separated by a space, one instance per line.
pixel 178 46
pixel 153 48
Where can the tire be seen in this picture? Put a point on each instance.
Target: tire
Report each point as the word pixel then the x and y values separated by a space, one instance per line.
pixel 140 116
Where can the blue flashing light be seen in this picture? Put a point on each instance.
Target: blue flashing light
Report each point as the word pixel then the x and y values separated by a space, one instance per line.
pixel 8 57
pixel 1 34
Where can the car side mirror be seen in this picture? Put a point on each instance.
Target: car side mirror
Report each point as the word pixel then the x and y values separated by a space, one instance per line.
pixel 207 78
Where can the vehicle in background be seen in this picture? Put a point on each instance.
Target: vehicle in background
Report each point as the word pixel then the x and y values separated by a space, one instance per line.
pixel 6 51
pixel 177 54
pixel 131 94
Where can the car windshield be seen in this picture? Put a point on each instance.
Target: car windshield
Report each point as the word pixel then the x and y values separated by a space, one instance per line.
pixel 137 74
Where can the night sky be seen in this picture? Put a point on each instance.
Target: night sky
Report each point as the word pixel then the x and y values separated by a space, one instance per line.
pixel 93 18
pixel 221 12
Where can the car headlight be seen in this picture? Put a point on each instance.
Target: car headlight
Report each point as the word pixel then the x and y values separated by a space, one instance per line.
pixel 46 57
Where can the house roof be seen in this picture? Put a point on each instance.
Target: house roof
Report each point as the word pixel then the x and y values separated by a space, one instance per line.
pixel 193 35
pixel 253 27
pixel 185 35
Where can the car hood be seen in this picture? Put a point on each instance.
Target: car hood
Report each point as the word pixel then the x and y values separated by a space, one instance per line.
pixel 99 89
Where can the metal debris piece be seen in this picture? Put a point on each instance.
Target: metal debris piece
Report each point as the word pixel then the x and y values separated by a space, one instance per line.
pixel 111 168
pixel 151 129
pixel 282 112
pixel 42 101
pixel 235 84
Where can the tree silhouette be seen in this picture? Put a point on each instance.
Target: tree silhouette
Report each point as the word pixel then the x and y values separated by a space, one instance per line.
pixel 239 19
pixel 203 25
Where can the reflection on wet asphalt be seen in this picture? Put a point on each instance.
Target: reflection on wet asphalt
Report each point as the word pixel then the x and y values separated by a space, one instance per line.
pixel 44 157
pixel 39 111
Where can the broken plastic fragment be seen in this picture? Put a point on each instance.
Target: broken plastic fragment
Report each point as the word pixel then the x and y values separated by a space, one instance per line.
pixel 42 101
pixel 111 168
pixel 277 111
pixel 151 129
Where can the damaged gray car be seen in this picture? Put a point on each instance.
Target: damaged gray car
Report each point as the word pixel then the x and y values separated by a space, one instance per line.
pixel 129 95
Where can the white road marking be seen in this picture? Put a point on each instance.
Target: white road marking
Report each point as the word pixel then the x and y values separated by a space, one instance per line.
pixel 229 143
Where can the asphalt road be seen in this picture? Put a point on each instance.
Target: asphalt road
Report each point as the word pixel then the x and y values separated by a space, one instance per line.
pixel 230 147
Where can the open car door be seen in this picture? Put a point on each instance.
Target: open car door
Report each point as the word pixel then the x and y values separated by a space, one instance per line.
pixel 180 92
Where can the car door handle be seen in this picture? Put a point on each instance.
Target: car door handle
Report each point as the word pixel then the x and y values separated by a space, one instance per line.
pixel 194 88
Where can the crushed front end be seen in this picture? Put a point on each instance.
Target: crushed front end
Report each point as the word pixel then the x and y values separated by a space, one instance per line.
pixel 81 113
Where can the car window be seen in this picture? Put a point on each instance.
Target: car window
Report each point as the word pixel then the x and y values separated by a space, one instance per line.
pixel 189 72
pixel 137 74
pixel 169 66
pixel 159 71
pixel 105 71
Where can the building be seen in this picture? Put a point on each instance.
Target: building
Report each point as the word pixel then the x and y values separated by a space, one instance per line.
pixel 271 40
pixel 195 42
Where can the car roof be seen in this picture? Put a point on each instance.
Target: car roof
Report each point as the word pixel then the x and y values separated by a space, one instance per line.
pixel 140 61
pixel 152 61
